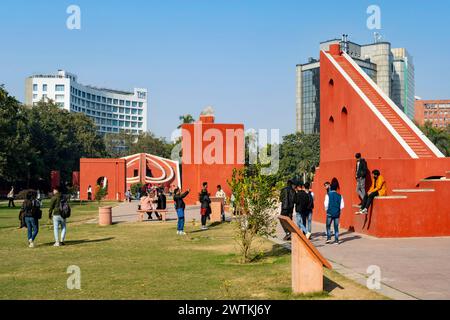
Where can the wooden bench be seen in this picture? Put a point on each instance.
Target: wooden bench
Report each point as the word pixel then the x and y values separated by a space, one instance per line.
pixel 161 212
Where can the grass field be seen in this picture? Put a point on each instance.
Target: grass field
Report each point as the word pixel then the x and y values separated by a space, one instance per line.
pixel 147 261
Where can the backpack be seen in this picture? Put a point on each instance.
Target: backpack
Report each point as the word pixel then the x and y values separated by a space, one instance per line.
pixel 36 210
pixel 64 208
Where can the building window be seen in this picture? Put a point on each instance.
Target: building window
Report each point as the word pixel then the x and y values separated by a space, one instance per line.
pixel 35 96
pixel 44 87
pixel 59 87
pixel 35 87
pixel 59 97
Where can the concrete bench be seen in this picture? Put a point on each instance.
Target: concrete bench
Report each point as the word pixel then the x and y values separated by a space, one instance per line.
pixel 161 212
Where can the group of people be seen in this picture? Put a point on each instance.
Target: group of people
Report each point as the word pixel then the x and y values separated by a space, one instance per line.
pixel 152 201
pixel 31 213
pixel 156 199
pixel 298 196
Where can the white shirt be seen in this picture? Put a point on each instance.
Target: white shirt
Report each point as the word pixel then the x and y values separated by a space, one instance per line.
pixel 327 201
pixel 221 194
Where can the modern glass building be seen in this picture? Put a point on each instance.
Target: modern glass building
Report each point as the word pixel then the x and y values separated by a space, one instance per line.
pixel 391 69
pixel 112 110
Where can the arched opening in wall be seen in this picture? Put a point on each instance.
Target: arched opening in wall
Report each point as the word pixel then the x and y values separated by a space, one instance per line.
pixel 331 120
pixel 343 123
pixel 102 182
pixel 331 83
pixel 344 111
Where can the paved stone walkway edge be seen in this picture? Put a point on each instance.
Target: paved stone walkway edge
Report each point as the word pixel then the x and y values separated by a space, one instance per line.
pixel 361 279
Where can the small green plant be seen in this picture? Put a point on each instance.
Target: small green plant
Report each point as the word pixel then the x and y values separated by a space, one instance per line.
pixel 100 193
pixel 255 201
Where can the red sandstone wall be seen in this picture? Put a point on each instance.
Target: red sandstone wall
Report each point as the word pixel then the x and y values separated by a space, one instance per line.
pixel 197 142
pixel 112 169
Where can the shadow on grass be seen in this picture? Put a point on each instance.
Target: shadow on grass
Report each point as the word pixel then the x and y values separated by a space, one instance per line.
pixel 76 242
pixel 329 285
pixel 277 251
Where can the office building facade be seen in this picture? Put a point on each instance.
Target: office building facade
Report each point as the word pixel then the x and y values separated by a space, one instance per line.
pixel 435 111
pixel 391 69
pixel 112 111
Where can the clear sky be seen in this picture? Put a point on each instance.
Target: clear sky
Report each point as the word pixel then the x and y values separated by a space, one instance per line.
pixel 236 55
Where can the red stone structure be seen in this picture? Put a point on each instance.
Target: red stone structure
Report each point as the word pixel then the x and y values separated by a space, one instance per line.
pixel 210 153
pixel 120 174
pixel 356 116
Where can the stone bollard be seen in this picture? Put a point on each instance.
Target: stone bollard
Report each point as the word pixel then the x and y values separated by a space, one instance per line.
pixel 105 216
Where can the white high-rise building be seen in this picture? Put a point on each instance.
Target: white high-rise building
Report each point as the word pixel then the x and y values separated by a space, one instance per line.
pixel 112 110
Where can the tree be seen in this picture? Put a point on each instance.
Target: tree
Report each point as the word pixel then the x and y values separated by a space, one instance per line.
pixel 124 144
pixel 186 119
pixel 35 140
pixel 439 136
pixel 255 202
pixel 299 156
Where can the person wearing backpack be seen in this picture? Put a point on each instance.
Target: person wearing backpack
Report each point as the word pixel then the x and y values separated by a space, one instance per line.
pixel 310 206
pixel 31 217
pixel 334 203
pixel 59 211
pixel 287 199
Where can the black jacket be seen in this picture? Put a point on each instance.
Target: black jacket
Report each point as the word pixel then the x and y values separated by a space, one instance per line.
pixel 204 199
pixel 287 198
pixel 361 172
pixel 178 199
pixel 302 200
pixel 162 201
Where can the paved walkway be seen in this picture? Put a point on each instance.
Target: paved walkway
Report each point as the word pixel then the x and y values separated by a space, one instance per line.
pixel 411 268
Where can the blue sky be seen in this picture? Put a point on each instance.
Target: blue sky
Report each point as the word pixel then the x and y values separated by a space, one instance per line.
pixel 237 55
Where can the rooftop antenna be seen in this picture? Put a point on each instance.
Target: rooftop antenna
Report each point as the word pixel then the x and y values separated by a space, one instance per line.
pixel 345 44
pixel 377 36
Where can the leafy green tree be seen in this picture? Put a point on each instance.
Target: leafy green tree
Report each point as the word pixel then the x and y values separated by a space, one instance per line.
pixel 255 201
pixel 439 136
pixel 185 119
pixel 299 156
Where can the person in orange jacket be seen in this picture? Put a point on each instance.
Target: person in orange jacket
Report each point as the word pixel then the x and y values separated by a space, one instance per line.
pixel 378 189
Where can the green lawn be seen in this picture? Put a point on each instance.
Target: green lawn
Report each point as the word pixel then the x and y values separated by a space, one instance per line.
pixel 146 261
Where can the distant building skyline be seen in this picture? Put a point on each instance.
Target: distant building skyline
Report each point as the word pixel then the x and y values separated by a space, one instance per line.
pixel 112 111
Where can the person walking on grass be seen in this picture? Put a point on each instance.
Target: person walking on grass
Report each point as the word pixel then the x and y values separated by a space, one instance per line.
pixel 205 205
pixel 287 199
pixel 378 189
pixel 32 214
pixel 361 172
pixel 301 208
pixel 58 212
pixel 10 197
pixel 178 199
pixel 334 203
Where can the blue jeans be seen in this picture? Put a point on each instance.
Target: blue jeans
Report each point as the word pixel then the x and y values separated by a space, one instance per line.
pixel 58 220
pixel 180 214
pixel 300 224
pixel 33 227
pixel 309 220
pixel 336 228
